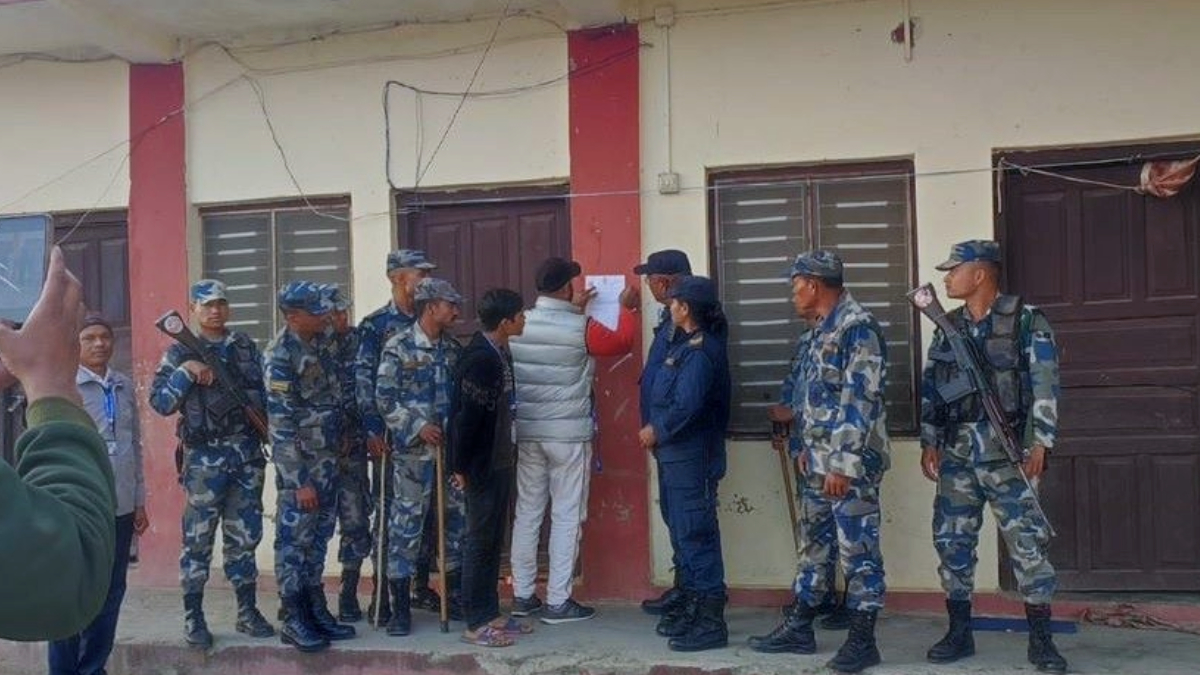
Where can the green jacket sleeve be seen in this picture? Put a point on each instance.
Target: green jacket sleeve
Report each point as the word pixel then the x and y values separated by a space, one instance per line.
pixel 57 524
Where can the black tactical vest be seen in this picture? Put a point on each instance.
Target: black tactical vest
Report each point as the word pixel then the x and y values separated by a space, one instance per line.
pixel 209 414
pixel 1008 370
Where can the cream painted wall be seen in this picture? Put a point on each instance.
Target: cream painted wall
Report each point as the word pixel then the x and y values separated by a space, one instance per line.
pixel 63 129
pixel 325 102
pixel 820 81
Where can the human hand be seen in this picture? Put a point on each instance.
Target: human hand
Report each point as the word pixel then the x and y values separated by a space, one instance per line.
pixel 781 413
pixel 646 437
pixel 630 298
pixel 377 446
pixel 141 522
pixel 802 464
pixel 431 434
pixel 44 353
pixel 931 459
pixel 1036 464
pixel 458 481
pixel 202 374
pixel 582 299
pixel 836 485
pixel 306 498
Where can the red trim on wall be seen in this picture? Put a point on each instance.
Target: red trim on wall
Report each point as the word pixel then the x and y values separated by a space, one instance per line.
pixel 606 239
pixel 158 207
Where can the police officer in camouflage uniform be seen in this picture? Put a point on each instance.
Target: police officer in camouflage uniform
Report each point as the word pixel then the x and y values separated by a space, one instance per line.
pixel 837 385
pixel 405 269
pixel 962 452
pixel 223 463
pixel 413 392
pixel 354 503
pixel 304 413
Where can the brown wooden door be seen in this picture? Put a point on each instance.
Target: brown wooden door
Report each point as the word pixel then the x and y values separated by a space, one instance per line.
pixel 97 252
pixel 493 244
pixel 1118 274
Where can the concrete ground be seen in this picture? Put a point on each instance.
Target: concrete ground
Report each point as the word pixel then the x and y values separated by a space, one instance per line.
pixel 620 641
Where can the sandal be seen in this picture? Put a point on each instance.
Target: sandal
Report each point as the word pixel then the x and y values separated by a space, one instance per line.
pixel 513 627
pixel 487 636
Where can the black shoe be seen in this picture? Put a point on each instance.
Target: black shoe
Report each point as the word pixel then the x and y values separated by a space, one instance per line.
pixel 959 641
pixel 249 620
pixel 706 631
pixel 523 607
pixel 297 628
pixel 1042 652
pixel 379 589
pixel 348 608
pixel 195 628
pixel 424 597
pixel 794 635
pixel 859 651
pixel 566 613
pixel 401 621
pixel 669 599
pixel 323 620
pixel 678 618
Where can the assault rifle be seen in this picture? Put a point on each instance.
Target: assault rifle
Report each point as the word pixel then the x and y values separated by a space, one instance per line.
pixel 970 361
pixel 173 325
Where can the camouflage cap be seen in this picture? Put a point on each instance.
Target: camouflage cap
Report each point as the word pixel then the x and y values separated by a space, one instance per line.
pixel 975 250
pixel 820 263
pixel 206 291
pixel 437 289
pixel 335 296
pixel 305 296
pixel 409 258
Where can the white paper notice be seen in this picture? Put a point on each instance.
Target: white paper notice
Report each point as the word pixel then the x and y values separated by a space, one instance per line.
pixel 606 306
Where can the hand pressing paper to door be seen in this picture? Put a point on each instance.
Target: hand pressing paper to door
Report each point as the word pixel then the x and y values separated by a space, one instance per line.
pixel 605 307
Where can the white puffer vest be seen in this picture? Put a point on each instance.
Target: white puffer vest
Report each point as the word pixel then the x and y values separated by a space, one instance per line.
pixel 553 373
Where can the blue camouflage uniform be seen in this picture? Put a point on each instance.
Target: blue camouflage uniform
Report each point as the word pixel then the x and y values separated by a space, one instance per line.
pixel 304 413
pixel 354 499
pixel 836 393
pixel 688 410
pixel 223 466
pixel 373 332
pixel 974 470
pixel 414 388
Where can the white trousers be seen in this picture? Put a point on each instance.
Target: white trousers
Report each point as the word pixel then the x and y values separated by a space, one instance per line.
pixel 557 473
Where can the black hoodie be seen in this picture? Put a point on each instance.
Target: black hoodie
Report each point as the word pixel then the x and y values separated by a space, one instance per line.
pixel 481 412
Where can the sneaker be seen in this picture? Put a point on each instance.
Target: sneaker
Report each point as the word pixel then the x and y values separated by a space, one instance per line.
pixel 567 612
pixel 526 606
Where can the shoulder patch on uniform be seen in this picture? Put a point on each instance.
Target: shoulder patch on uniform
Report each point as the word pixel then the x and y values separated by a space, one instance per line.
pixel 279 386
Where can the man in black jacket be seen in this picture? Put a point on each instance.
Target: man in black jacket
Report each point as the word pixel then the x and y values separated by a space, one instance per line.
pixel 483 457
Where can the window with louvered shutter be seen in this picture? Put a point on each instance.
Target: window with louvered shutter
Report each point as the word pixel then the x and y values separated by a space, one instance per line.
pixel 761 220
pixel 257 250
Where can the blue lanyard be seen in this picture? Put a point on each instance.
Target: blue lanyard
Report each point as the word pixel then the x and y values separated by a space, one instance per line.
pixel 110 407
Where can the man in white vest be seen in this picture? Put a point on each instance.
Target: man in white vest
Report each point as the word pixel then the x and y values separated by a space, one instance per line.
pixel 554 425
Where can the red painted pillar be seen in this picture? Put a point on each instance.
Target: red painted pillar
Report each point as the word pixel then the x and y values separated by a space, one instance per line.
pixel 158 207
pixel 606 238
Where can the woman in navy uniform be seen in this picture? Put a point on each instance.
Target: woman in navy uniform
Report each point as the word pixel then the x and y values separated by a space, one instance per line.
pixel 689 412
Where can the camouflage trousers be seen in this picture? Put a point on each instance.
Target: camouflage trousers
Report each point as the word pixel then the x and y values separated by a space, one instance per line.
pixel 302 537
pixel 414 479
pixel 354 506
pixel 963 489
pixel 221 489
pixel 829 573
pixel 847 528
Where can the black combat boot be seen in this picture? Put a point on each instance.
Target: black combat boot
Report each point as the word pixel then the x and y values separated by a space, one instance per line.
pixel 794 635
pixel 1041 646
pixel 379 589
pixel 679 616
pixel 401 622
pixel 297 628
pixel 707 630
pixel 859 650
pixel 322 619
pixel 195 628
pixel 421 595
pixel 249 620
pixel 670 598
pixel 348 607
pixel 959 642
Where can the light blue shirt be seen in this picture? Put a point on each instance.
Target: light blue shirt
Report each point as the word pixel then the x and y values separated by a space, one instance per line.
pixel 109 400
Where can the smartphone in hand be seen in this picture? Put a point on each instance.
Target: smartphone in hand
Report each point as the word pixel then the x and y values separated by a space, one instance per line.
pixel 25 243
